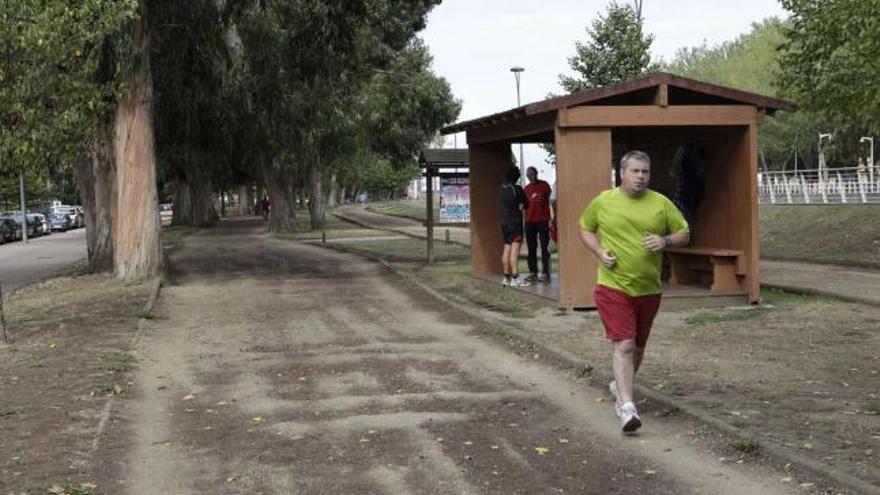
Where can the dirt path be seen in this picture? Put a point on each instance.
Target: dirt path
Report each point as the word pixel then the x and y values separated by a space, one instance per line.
pixel 279 367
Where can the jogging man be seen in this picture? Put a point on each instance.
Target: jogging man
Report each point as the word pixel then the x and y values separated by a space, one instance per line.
pixel 538 225
pixel 513 202
pixel 627 228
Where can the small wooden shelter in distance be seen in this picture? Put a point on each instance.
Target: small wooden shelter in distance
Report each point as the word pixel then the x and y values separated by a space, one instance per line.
pixel 442 163
pixel 660 114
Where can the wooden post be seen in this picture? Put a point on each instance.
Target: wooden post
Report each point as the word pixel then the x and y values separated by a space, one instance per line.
pixel 753 282
pixel 488 163
pixel 3 317
pixel 24 224
pixel 430 213
pixel 583 163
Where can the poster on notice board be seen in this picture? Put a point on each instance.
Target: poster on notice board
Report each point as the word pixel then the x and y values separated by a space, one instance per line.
pixel 455 202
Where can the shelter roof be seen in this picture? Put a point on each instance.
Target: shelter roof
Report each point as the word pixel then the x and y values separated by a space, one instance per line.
pixel 682 90
pixel 444 157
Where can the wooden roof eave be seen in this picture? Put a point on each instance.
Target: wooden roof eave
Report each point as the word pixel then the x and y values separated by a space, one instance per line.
pixel 764 103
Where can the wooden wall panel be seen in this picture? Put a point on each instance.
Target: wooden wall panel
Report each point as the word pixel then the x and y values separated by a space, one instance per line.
pixel 650 115
pixel 711 227
pixel 744 212
pixel 488 163
pixel 583 170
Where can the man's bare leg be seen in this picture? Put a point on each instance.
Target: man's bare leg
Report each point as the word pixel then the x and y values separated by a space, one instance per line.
pixel 505 257
pixel 623 365
pixel 514 257
pixel 638 356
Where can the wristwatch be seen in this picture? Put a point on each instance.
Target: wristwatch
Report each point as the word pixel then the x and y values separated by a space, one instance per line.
pixel 667 241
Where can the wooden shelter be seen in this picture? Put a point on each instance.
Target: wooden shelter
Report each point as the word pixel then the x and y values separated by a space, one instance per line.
pixel 660 114
pixel 439 162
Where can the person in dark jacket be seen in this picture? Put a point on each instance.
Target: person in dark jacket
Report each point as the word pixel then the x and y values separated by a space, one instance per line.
pixel 513 203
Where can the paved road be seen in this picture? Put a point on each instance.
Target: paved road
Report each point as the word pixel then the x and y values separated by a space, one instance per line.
pixel 856 284
pixel 280 367
pixel 22 264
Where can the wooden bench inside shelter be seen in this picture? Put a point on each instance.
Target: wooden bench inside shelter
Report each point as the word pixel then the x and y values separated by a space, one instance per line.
pixel 690 266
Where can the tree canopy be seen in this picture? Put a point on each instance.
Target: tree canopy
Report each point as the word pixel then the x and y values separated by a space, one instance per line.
pixel 53 81
pixel 831 59
pixel 617 49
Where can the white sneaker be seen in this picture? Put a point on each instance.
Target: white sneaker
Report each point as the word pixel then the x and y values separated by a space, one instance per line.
pixel 629 418
pixel 505 281
pixel 520 282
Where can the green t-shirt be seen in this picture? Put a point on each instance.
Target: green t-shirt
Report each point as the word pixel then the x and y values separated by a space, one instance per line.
pixel 622 222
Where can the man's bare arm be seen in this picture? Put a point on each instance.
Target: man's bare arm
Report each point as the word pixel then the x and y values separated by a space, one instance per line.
pixel 655 242
pixel 591 240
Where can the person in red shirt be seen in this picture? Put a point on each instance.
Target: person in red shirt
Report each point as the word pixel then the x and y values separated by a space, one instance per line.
pixel 537 217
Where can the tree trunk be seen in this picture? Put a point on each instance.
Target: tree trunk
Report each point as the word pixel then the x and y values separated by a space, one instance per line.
pixel 183 207
pixel 331 193
pixel 316 199
pixel 137 251
pixel 96 181
pixel 204 214
pixel 244 204
pixel 283 214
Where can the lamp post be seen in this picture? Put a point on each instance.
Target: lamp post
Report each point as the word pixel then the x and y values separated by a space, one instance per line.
pixel 870 139
pixel 822 165
pixel 517 71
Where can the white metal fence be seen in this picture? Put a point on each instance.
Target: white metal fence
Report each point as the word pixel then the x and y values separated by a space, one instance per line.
pixel 829 186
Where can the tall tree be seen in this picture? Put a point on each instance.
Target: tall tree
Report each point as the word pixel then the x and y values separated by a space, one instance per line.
pixel 137 252
pixel 831 60
pixel 751 62
pixel 309 61
pixel 57 89
pixel 617 49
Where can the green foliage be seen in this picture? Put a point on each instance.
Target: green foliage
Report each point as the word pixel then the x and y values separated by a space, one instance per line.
pixel 751 62
pixel 617 50
pixel 382 178
pixel 342 87
pixel 50 92
pixel 746 445
pixel 832 59
pixel 200 101
pixel 34 184
pixel 404 106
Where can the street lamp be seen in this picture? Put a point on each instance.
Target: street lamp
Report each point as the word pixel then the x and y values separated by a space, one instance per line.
pixel 822 165
pixel 517 71
pixel 870 139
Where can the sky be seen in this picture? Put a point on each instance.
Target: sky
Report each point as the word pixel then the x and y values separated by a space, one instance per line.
pixel 476 42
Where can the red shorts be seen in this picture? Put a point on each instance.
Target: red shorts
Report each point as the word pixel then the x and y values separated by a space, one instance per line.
pixel 626 317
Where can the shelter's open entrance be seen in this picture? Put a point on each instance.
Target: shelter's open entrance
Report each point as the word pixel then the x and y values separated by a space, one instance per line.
pixel 702 140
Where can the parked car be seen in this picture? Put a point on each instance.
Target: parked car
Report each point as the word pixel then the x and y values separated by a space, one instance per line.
pixel 60 222
pixel 77 218
pixel 9 230
pixel 33 229
pixel 43 225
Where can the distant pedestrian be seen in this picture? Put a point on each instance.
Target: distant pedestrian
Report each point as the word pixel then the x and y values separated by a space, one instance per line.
pixel 537 227
pixel 265 207
pixel 627 228
pixel 513 202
